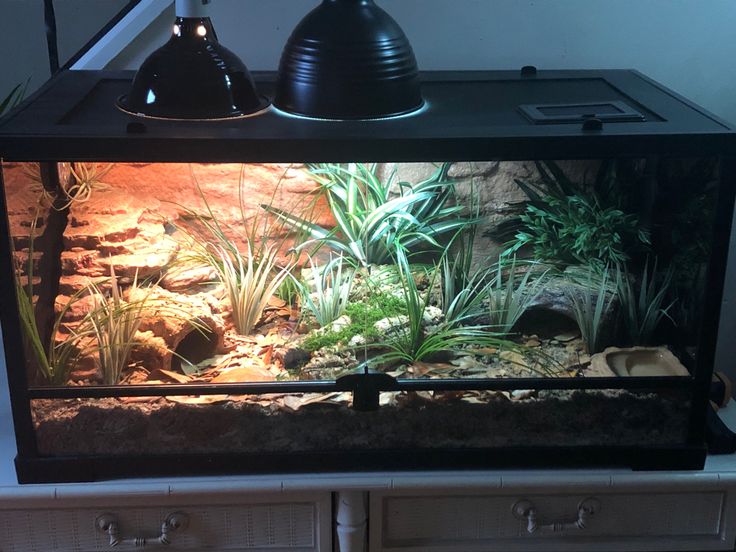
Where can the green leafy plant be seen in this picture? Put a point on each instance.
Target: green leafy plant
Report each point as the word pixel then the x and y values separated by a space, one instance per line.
pixel 577 230
pixel 288 291
pixel 571 224
pixel 591 305
pixel 370 222
pixel 509 297
pixel 332 285
pixel 642 301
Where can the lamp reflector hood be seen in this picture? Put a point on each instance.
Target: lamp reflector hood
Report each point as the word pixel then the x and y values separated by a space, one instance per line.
pixel 348 59
pixel 193 76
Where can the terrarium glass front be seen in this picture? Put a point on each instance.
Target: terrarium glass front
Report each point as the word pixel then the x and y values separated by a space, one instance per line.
pixel 131 274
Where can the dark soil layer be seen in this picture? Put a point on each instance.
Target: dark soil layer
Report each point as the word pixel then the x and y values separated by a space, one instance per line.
pixel 109 426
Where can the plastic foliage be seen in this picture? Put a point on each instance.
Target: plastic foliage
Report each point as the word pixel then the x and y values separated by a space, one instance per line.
pixel 591 306
pixel 643 301
pixel 413 342
pixel 77 182
pixel 328 298
pixel 569 223
pixel 511 294
pixel 113 322
pixel 374 217
pixel 250 278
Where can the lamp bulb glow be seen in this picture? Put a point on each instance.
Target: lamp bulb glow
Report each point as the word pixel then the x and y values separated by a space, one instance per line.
pixel 177 30
pixel 201 30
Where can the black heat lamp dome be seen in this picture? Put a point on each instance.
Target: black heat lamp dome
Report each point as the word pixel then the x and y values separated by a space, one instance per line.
pixel 348 59
pixel 193 77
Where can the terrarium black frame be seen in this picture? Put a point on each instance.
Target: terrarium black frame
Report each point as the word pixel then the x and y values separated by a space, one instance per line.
pixel 471 116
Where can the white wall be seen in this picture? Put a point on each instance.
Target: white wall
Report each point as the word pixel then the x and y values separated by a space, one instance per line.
pixel 23 52
pixel 688 45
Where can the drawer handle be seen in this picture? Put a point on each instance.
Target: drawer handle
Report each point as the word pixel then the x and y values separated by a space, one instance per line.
pixel 525 510
pixel 108 523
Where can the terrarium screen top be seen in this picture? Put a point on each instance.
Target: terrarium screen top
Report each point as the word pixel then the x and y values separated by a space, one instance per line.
pixel 229 273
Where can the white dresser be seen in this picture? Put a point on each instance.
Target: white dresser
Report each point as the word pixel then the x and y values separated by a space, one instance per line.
pixel 510 511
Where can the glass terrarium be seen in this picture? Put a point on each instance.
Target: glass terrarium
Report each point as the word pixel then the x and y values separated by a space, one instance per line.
pixel 470 286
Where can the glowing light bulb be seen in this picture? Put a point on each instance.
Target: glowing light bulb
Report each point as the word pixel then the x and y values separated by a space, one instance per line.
pixel 177 30
pixel 201 30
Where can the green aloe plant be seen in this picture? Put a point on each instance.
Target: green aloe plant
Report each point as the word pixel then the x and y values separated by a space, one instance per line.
pixel 250 280
pixel 509 296
pixel 591 304
pixel 643 301
pixel 371 222
pixel 332 285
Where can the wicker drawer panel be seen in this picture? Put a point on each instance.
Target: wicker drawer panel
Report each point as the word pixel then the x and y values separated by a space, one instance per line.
pixel 267 527
pixel 443 522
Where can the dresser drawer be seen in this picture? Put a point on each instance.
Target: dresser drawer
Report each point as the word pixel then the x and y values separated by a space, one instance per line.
pixel 272 525
pixel 560 521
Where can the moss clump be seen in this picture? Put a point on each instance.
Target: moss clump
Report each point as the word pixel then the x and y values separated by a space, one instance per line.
pixel 363 316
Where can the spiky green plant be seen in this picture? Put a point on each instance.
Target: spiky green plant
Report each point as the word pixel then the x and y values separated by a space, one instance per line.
pixel 14 97
pixel 463 287
pixel 113 322
pixel 329 297
pixel 510 297
pixel 371 223
pixel 249 282
pixel 591 305
pixel 251 277
pixel 412 342
pixel 463 296
pixel 642 301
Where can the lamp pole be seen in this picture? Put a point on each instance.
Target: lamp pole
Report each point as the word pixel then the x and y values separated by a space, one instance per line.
pixel 49 17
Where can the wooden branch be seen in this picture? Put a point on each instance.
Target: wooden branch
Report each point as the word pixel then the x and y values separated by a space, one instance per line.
pixel 50 245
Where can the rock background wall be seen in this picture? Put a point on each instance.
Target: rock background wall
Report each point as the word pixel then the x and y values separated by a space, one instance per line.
pixel 127 223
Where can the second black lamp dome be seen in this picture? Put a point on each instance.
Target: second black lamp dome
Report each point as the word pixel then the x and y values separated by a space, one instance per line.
pixel 348 59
